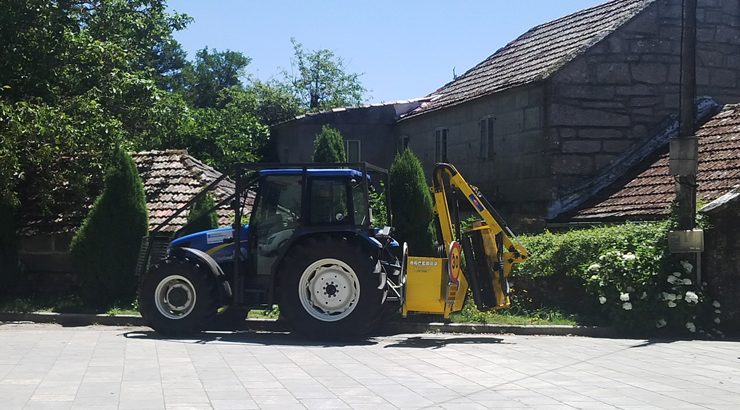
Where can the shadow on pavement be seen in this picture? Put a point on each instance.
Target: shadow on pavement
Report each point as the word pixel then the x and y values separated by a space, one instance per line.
pixel 248 337
pixel 421 342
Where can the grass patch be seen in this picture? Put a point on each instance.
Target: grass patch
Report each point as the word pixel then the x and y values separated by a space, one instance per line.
pixel 514 316
pixel 273 313
pixel 61 304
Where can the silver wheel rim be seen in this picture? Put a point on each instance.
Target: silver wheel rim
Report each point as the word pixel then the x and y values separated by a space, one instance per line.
pixel 175 297
pixel 329 290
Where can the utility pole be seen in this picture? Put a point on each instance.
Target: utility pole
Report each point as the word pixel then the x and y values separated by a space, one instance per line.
pixel 688 151
pixel 684 152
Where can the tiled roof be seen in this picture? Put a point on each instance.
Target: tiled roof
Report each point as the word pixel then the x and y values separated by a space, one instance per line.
pixel 650 193
pixel 171 178
pixel 536 54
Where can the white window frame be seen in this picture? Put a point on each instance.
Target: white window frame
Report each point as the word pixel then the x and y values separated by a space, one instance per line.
pixel 441 139
pixel 359 149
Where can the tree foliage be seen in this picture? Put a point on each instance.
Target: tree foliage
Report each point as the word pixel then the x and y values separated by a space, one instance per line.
pixel 213 72
pixel 321 80
pixel 411 203
pixel 105 248
pixel 199 219
pixel 329 146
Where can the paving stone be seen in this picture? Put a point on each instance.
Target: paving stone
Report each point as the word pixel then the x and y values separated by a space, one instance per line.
pixel 51 367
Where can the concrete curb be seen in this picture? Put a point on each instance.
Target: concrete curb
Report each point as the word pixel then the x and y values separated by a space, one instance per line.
pixel 271 325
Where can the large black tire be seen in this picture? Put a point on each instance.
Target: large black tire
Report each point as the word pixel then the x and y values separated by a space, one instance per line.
pixel 332 272
pixel 231 318
pixel 178 296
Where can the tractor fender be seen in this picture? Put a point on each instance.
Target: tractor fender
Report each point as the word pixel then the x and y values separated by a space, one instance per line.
pixel 371 244
pixel 224 289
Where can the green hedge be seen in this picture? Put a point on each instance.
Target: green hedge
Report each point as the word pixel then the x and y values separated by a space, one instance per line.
pixel 619 275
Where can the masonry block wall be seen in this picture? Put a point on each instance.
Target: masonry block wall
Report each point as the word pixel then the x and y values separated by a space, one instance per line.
pixel 721 264
pixel 517 177
pixel 372 126
pixel 623 90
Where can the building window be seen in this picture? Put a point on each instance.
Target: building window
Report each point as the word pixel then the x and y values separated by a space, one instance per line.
pixel 404 143
pixel 352 148
pixel 486 138
pixel 440 145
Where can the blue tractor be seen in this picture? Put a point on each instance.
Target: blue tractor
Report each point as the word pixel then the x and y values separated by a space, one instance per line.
pixel 309 246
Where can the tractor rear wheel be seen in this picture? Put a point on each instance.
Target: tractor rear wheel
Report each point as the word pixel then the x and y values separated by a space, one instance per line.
pixel 328 289
pixel 178 296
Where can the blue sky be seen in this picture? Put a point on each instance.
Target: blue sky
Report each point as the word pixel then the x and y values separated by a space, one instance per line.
pixel 404 48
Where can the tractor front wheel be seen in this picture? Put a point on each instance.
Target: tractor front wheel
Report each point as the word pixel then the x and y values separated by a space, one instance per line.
pixel 178 296
pixel 329 289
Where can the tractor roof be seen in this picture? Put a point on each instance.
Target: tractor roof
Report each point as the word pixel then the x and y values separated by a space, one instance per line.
pixel 324 172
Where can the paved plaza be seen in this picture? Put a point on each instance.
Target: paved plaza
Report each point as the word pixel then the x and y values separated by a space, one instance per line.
pixel 53 367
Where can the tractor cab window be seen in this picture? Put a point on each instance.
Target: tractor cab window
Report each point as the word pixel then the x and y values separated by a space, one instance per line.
pixel 360 202
pixel 275 217
pixel 329 202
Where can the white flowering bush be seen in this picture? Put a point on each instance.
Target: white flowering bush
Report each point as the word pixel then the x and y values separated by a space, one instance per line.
pixel 619 275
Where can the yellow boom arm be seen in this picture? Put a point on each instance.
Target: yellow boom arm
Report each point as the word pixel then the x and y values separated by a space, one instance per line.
pixel 434 285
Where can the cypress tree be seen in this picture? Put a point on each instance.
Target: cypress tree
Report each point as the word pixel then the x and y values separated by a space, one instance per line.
pixel 105 248
pixel 9 272
pixel 198 220
pixel 411 202
pixel 329 146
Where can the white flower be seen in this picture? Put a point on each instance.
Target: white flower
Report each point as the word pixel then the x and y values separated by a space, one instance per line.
pixel 644 295
pixel 715 304
pixel 688 267
pixel 687 281
pixel 624 297
pixel 691 297
pixel 660 323
pixel 669 296
pixel 671 304
pixel 594 277
pixel 676 274
pixel 629 256
pixel 672 279
pixel 593 268
pixel 716 320
pixel 717 311
pixel 602 300
pixel 627 306
pixel 691 327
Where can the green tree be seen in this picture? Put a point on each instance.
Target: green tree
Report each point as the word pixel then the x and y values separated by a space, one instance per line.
pixel 411 202
pixel 275 101
pixel 213 72
pixel 78 79
pixel 329 146
pixel 105 248
pixel 199 219
pixel 321 80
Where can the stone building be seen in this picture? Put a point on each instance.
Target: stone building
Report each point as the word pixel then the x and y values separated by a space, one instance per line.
pixel 562 102
pixel 170 178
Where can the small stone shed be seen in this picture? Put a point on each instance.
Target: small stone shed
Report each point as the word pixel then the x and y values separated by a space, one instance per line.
pixel 171 178
pixel 646 192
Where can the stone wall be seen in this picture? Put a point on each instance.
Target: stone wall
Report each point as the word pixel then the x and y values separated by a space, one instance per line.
pixel 721 263
pixel 517 177
pixel 623 90
pixel 45 253
pixel 372 126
